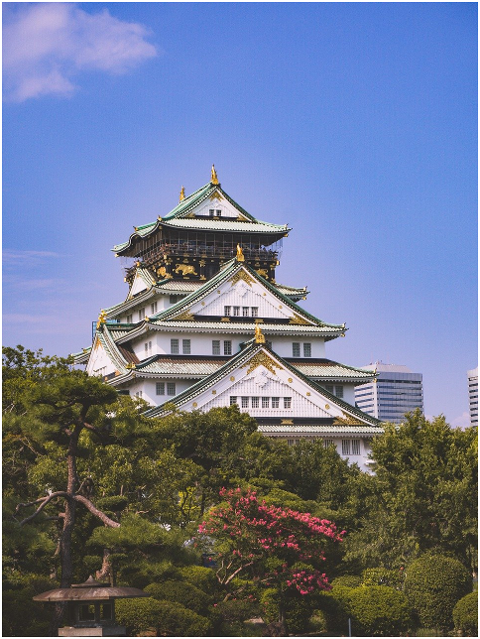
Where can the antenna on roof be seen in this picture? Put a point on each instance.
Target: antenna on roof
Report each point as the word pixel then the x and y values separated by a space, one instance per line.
pixel 214 178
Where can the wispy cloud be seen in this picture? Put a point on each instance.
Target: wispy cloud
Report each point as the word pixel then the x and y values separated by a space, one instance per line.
pixel 463 421
pixel 19 258
pixel 45 45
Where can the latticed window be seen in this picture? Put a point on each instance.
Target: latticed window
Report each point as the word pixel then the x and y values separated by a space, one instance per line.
pixel 233 400
pixel 216 347
pixel 236 311
pixel 327 443
pixel 265 402
pixel 254 311
pixel 255 402
pixel 186 346
pixel 275 402
pixel 287 402
pixel 174 346
pixel 345 447
pixel 227 310
pixel 154 308
pixel 307 350
pixel 227 347
pixel 245 402
pixel 160 388
pixel 339 391
pixel 329 388
pixel 355 447
pixel 296 349
pixel 171 388
pixel 141 314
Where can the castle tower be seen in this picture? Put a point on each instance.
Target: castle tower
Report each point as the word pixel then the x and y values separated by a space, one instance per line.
pixel 206 324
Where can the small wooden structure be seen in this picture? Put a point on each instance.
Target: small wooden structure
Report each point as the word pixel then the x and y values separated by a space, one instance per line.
pixel 90 608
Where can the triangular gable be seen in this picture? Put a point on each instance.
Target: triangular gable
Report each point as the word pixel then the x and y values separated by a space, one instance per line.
pixel 141 282
pixel 257 374
pixel 237 284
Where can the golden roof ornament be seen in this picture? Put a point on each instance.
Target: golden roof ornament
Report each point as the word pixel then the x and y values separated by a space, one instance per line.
pixel 259 336
pixel 102 318
pixel 240 255
pixel 182 194
pixel 214 178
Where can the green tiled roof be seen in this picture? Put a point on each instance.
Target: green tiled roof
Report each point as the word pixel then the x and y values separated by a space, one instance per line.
pixel 243 357
pixel 176 218
pixel 320 429
pixel 229 269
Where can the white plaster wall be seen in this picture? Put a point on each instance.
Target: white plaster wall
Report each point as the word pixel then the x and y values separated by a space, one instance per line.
pixel 99 360
pixel 227 210
pixel 283 345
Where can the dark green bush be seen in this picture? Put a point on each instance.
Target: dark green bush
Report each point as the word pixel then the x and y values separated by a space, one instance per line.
pixel 185 593
pixel 22 617
pixel 203 578
pixel 382 577
pixel 465 615
pixel 433 585
pixel 230 617
pixel 379 611
pixel 350 581
pixel 167 618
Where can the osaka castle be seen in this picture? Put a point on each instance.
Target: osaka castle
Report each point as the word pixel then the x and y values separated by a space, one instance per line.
pixel 206 324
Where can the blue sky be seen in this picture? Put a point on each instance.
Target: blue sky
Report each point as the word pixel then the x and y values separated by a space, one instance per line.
pixel 355 123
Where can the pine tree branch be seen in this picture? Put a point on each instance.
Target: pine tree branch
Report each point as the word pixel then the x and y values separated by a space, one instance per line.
pixel 94 510
pixel 43 501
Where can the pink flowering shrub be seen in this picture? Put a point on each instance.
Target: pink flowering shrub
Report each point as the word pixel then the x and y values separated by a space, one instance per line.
pixel 277 547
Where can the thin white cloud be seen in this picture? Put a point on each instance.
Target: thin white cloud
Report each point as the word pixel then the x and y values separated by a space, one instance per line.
pixel 463 421
pixel 45 45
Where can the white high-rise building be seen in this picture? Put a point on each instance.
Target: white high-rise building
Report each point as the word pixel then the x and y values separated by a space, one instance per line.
pixel 394 392
pixel 473 395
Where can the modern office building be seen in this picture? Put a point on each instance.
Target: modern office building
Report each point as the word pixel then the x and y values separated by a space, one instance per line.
pixel 205 324
pixel 473 395
pixel 394 392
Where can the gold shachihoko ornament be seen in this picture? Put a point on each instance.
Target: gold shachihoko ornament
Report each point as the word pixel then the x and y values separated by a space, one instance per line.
pixel 240 255
pixel 259 336
pixel 214 178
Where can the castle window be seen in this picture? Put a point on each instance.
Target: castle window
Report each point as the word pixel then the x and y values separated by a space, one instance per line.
pixel 211 212
pixel 171 388
pixel 339 391
pixel 227 310
pixel 233 400
pixel 245 311
pixel 186 346
pixel 296 349
pixel 254 311
pixel 218 212
pixel 129 319
pixel 245 402
pixel 173 299
pixel 153 308
pixel 236 311
pixel 275 402
pixel 255 402
pixel 227 347
pixel 329 388
pixel 174 346
pixel 216 347
pixel 355 447
pixel 327 443
pixel 307 350
pixel 141 314
pixel 148 349
pixel 287 402
pixel 265 402
pixel 139 394
pixel 160 388
pixel 345 447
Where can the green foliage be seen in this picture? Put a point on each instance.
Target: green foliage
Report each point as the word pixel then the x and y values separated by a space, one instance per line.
pixel 433 585
pixel 202 578
pixel 378 611
pixel 382 577
pixel 348 581
pixel 188 595
pixel 230 617
pixel 465 615
pixel 20 615
pixel 165 618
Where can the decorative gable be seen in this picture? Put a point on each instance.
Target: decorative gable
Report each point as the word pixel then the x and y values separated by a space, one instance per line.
pixel 263 385
pixel 140 283
pixel 217 206
pixel 99 363
pixel 244 295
